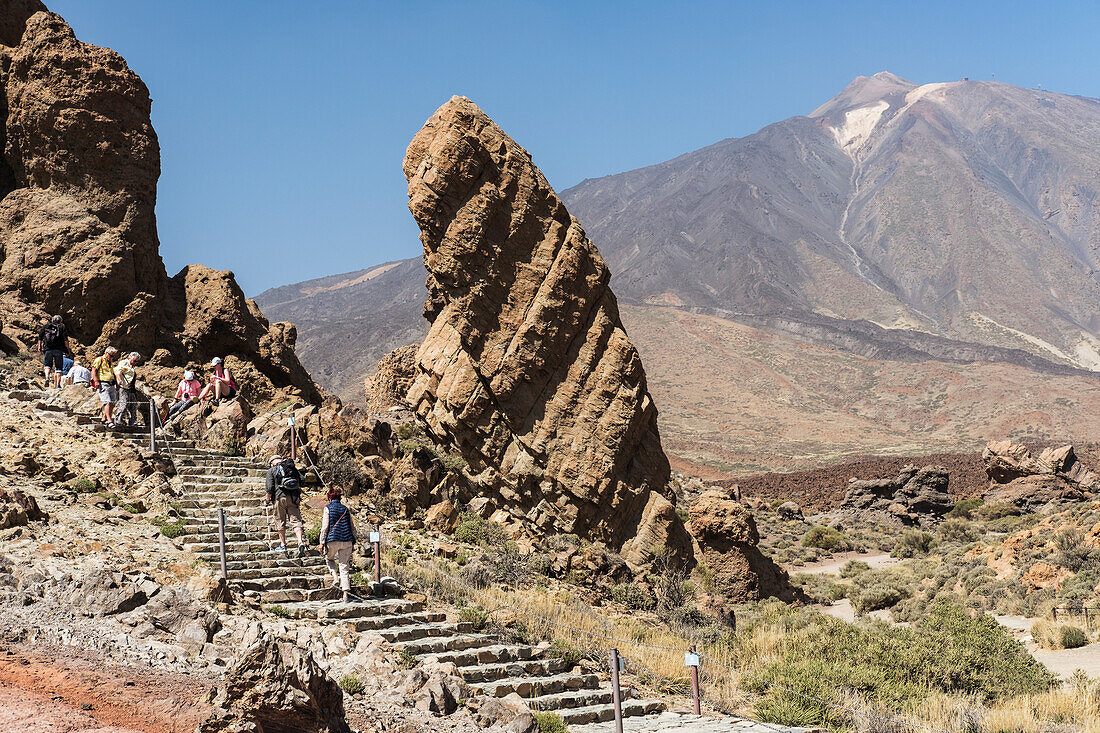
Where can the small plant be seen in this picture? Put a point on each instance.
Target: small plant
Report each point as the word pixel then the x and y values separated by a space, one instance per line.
pixel 232 446
pixel 852 568
pixel 130 508
pixel 277 610
pixel 965 508
pixel 823 538
pixel 474 530
pixel 313 534
pixel 407 660
pixel 474 615
pixel 407 430
pixel 453 462
pixel 171 530
pixel 81 485
pixel 633 597
pixel 565 652
pixel 351 684
pixel 549 722
pixel 913 543
pixel 1072 637
pixel 958 530
pixel 997 510
pixel 396 556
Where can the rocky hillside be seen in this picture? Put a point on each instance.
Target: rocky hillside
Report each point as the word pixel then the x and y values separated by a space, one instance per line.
pixel 78 232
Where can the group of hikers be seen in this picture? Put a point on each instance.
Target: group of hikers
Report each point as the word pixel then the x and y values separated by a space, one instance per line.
pixel 337 538
pixel 114 378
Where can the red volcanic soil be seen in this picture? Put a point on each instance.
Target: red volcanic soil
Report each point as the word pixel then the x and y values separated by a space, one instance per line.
pixel 68 691
pixel 821 489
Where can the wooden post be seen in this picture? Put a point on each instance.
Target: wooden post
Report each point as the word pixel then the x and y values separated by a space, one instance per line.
pixel 1054 614
pixel 376 540
pixel 692 660
pixel 221 541
pixel 616 700
pixel 152 425
pixel 293 440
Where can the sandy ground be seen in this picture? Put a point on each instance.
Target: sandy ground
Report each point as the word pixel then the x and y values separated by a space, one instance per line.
pixel 1062 662
pixel 836 562
pixel 70 691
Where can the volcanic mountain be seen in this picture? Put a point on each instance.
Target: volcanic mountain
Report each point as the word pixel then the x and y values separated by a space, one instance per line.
pixel 948 223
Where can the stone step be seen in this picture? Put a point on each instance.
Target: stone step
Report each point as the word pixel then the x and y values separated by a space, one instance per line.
pixel 222 471
pixel 364 608
pixel 572 699
pixel 488 654
pixel 200 480
pixel 490 672
pixel 276 561
pixel 601 713
pixel 256 573
pixel 425 631
pixel 441 644
pixel 198 511
pixel 283 582
pixel 387 622
pixel 256 545
pixel 537 686
pixel 246 555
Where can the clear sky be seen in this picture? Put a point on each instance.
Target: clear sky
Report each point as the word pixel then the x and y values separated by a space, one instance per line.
pixel 283 124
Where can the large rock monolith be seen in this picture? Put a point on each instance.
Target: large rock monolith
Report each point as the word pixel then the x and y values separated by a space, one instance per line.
pixel 527 370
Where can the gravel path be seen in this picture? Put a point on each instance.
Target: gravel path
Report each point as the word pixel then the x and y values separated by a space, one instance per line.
pixel 676 722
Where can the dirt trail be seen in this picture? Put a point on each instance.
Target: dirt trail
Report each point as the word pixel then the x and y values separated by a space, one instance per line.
pixel 836 562
pixel 71 692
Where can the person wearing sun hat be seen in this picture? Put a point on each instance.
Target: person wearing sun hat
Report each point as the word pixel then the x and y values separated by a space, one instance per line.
pixel 222 385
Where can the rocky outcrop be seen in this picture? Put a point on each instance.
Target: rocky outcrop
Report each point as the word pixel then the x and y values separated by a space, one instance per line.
pixel 1053 478
pixel 78 230
pixel 527 371
pixel 388 386
pixel 916 496
pixel 275 685
pixel 727 539
pixel 17 507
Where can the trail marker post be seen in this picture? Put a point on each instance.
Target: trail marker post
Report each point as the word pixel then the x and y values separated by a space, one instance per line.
pixel 221 541
pixel 616 700
pixel 152 426
pixel 293 439
pixel 691 659
pixel 376 540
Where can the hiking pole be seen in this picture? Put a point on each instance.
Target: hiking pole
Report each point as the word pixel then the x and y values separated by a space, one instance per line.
pixel 616 664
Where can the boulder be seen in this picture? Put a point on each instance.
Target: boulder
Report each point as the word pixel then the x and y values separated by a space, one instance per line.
pixel 915 497
pixel 176 611
pixel 727 539
pixel 442 517
pixel 1052 479
pixel 789 510
pixel 527 371
pixel 103 592
pixel 275 685
pixel 17 508
pixel 435 688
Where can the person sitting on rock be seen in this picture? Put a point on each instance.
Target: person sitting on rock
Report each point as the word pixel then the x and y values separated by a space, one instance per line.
pixel 126 376
pixel 187 394
pixel 78 374
pixel 221 385
pixel 337 541
pixel 54 344
pixel 103 380
pixel 284 491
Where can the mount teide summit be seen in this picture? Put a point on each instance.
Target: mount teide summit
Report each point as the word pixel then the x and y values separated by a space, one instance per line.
pixel 953 222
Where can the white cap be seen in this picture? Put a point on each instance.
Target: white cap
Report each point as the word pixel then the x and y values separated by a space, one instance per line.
pixel 276 458
pixel 217 360
pixel 188 376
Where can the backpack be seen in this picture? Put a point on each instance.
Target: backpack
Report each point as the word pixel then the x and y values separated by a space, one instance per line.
pixel 53 336
pixel 288 481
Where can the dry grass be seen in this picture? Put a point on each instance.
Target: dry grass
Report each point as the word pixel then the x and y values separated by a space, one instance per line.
pixel 574 625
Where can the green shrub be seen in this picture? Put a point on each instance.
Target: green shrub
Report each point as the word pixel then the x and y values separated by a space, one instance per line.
pixel 407 430
pixel 634 597
pixel 277 610
pixel 453 462
pixel 1072 637
pixel 81 485
pixel 474 530
pixel 475 615
pixel 958 530
pixel 407 660
pixel 549 722
pixel 351 684
pixel 1071 550
pixel 232 446
pixel 571 655
pixel 171 530
pixel 914 543
pixel 313 534
pixel 396 556
pixel 823 538
pixel 852 568
pixel 965 508
pixel 878 596
pixel 997 510
pixel 539 564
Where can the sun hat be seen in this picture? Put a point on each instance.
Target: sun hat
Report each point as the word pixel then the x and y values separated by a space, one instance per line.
pixel 188 375
pixel 216 360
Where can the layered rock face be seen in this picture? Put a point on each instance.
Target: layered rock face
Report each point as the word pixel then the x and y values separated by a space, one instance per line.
pixel 527 370
pixel 78 232
pixel 1053 478
pixel 916 496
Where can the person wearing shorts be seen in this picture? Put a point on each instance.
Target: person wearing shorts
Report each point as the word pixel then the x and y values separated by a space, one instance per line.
pixel 103 380
pixel 285 507
pixel 54 344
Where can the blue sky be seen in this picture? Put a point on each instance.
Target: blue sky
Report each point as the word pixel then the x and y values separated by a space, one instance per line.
pixel 283 124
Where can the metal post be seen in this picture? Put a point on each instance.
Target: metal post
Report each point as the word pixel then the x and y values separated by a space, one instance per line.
pixel 615 699
pixel 293 439
pixel 376 540
pixel 693 662
pixel 1054 614
pixel 152 426
pixel 221 541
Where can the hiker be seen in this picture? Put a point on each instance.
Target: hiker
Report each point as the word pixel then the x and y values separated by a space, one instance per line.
pixel 126 376
pixel 79 374
pixel 284 492
pixel 54 344
pixel 337 540
pixel 103 380
pixel 221 382
pixel 187 394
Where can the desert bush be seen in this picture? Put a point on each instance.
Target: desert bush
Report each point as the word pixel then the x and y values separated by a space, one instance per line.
pixel 673 589
pixel 337 461
pixel 1071 551
pixel 171 530
pixel 475 615
pixel 913 543
pixel 539 563
pixel 958 530
pixel 277 610
pixel 397 556
pixel 407 430
pixel 351 684
pixel 313 534
pixel 453 462
pixel 823 538
pixel 1051 635
pixel 232 446
pixel 506 567
pixel 1072 637
pixel 996 510
pixel 852 568
pixel 965 508
pixel 879 596
pixel 820 587
pixel 549 722
pixel 81 485
pixel 634 596
pixel 474 530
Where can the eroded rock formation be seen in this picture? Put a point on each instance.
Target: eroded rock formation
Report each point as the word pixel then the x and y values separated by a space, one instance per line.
pixel 1054 477
pixel 916 496
pixel 527 370
pixel 726 533
pixel 387 387
pixel 78 232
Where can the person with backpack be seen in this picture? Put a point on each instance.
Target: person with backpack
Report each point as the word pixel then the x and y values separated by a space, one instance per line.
pixel 126 377
pixel 104 382
pixel 337 541
pixel 54 345
pixel 284 492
